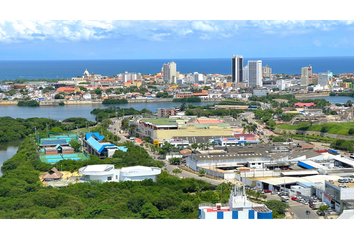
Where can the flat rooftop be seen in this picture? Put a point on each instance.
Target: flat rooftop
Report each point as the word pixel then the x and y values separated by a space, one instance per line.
pixel 351 185
pixel 161 121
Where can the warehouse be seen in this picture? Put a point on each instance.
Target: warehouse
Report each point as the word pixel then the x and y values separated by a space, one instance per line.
pixel 343 162
pixel 234 157
pixel 311 165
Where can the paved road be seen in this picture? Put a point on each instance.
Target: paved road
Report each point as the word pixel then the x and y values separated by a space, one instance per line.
pixel 298 209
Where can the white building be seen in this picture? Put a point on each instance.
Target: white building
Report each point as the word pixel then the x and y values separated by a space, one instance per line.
pixel 255 73
pixel 239 207
pixel 245 73
pixel 107 173
pixel 198 78
pixel 169 73
pixel 325 79
pixel 284 84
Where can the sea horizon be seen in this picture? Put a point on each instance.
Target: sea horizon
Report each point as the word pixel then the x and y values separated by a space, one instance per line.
pixel 66 69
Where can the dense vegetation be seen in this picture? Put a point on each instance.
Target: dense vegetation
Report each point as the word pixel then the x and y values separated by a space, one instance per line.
pixel 115 101
pixel 188 99
pixel 102 113
pixel 23 196
pixel 32 103
pixel 346 145
pixel 14 129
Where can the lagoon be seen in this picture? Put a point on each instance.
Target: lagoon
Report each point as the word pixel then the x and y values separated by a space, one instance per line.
pixel 63 112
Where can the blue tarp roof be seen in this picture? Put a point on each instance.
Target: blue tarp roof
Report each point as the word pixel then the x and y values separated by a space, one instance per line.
pixel 122 148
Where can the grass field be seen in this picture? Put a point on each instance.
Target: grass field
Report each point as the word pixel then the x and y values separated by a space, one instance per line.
pixel 341 128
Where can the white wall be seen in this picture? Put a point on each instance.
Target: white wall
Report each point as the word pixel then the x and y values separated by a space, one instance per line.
pixel 243 214
pixel 346 193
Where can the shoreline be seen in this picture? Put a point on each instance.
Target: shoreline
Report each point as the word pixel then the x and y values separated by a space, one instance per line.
pixel 99 101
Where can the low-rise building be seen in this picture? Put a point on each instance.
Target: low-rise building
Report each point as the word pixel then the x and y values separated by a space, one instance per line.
pixel 239 207
pixel 107 173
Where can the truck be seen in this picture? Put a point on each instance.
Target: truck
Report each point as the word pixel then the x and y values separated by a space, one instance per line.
pixel 284 199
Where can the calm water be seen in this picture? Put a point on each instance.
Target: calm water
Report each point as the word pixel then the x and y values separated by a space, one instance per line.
pixel 71 68
pixel 63 112
pixel 7 150
pixel 336 99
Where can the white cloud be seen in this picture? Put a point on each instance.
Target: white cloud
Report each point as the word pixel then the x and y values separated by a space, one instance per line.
pixel 19 31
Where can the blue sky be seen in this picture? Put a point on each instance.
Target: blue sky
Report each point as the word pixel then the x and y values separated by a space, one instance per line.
pixel 152 39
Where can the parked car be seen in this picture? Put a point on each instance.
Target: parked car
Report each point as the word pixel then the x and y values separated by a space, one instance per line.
pixel 294 198
pixel 267 191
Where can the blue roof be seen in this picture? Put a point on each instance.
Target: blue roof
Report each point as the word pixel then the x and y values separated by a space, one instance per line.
pixel 122 148
pixel 96 134
pixel 301 164
pixel 96 145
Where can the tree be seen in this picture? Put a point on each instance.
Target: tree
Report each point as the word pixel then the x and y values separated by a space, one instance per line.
pixel 56 130
pixel 271 124
pixel 194 146
pixel 322 209
pixel 201 172
pixel 276 205
pixel 351 131
pixel 75 145
pixel 61 103
pixel 149 211
pixel 176 171
pixel 58 96
pixel 98 91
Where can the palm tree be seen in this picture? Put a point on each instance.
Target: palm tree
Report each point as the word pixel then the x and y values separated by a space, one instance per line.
pixel 201 146
pixel 213 143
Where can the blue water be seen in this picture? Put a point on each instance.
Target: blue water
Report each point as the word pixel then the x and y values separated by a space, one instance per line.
pixel 53 69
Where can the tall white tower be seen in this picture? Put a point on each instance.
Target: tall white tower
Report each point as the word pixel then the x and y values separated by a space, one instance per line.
pixel 255 73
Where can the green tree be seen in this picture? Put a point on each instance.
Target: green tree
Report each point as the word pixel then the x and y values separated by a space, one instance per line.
pixel 75 145
pixel 98 91
pixel 351 131
pixel 149 211
pixel 201 172
pixel 58 96
pixel 56 130
pixel 276 205
pixel 271 124
pixel 194 146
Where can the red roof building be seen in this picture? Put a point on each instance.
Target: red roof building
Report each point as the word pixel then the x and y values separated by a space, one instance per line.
pixel 305 105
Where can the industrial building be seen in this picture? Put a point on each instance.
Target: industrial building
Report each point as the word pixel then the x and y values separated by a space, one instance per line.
pixel 107 173
pixel 230 158
pixel 239 207
pixel 164 128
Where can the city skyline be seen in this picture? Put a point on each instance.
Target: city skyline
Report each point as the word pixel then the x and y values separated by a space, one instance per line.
pixel 180 39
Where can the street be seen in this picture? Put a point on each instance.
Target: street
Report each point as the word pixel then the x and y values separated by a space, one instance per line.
pixel 298 209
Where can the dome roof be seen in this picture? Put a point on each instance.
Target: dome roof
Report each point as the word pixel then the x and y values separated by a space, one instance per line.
pixel 86 72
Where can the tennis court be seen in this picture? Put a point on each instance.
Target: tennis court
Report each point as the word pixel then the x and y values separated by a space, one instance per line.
pixel 56 158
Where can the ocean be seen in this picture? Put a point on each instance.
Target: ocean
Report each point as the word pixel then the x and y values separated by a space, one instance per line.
pixel 63 69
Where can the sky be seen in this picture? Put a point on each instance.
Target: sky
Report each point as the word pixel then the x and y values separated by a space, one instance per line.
pixel 130 37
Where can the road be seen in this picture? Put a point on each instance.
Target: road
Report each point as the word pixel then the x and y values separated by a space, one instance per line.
pixel 116 125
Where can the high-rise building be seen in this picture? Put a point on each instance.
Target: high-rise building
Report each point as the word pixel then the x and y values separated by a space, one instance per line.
pixel 266 71
pixel 237 69
pixel 325 79
pixel 255 73
pixel 169 73
pixel 245 74
pixel 306 76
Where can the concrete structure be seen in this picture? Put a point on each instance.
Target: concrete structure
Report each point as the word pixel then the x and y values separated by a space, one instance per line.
pixel 164 128
pixel 325 79
pixel 231 158
pixel 306 76
pixel 198 78
pixel 107 173
pixel 260 92
pixel 266 71
pixel 245 74
pixel 162 112
pixel 239 207
pixel 169 73
pixel 283 84
pixel 237 69
pixel 255 73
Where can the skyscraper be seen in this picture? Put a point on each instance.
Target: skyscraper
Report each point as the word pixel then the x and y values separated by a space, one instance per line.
pixel 255 73
pixel 266 71
pixel 306 76
pixel 236 69
pixel 169 73
pixel 245 74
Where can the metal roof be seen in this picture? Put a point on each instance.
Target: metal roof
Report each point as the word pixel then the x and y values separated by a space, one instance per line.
pixel 292 173
pixel 344 160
